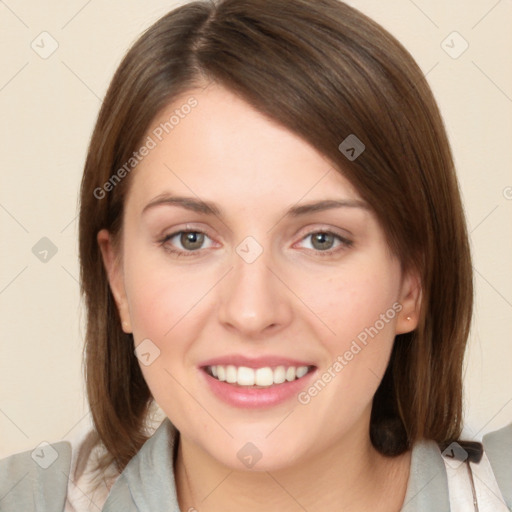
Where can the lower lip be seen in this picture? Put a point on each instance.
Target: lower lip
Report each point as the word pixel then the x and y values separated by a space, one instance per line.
pixel 254 398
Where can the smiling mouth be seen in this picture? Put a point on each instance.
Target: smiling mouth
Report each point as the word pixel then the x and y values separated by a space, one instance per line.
pixel 257 377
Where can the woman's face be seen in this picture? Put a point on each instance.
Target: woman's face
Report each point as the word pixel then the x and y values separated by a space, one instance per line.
pixel 246 255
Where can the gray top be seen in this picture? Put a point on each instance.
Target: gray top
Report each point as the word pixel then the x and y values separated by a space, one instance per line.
pixel 147 483
pixel 498 447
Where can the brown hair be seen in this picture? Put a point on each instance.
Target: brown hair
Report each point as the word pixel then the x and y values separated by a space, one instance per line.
pixel 324 71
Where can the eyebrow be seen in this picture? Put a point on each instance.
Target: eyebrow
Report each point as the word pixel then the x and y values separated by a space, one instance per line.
pixel 209 208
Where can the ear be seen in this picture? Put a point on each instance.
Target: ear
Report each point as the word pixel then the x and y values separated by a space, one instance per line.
pixel 113 268
pixel 410 299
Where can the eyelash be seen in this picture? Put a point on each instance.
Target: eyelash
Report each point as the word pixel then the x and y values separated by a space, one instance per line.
pixel 344 243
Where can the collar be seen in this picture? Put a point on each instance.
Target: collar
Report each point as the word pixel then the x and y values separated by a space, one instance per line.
pixel 147 482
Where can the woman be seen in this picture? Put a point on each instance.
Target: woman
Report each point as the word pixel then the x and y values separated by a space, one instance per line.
pixel 273 250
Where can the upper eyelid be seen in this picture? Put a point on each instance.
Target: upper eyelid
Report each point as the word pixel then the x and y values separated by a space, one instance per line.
pixel 173 234
pixel 325 229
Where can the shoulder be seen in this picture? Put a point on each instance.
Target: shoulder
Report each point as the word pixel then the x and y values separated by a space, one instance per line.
pixel 36 479
pixel 427 488
pixel 498 447
pixel 58 476
pixel 501 439
pixel 441 479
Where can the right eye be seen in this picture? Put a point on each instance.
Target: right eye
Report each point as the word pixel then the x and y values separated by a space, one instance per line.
pixel 191 242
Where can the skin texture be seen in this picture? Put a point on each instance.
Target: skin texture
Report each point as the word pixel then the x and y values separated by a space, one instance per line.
pixel 293 301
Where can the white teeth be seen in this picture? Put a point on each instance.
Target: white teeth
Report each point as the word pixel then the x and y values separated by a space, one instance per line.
pixel 279 375
pixel 263 377
pixel 231 374
pixel 301 371
pixel 291 373
pixel 246 376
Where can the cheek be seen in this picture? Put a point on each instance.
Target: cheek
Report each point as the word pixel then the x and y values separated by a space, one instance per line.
pixel 164 306
pixel 355 300
pixel 154 305
pixel 160 295
pixel 167 305
pixel 356 355
pixel 357 313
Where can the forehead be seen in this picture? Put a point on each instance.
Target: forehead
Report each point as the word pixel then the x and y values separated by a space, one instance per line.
pixel 225 149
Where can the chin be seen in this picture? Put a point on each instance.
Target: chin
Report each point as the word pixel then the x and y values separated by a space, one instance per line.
pixel 256 453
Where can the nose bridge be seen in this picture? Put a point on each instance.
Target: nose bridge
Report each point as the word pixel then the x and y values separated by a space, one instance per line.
pixel 252 298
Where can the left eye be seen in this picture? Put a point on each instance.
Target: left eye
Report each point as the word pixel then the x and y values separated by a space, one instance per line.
pixel 324 241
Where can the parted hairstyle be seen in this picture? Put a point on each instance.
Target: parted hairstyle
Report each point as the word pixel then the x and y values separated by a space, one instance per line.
pixel 324 71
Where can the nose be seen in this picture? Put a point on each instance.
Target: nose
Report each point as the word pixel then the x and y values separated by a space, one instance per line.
pixel 253 300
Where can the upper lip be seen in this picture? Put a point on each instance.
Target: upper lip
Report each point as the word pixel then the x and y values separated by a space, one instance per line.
pixel 254 362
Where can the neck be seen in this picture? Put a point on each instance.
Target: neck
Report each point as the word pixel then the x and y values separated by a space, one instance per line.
pixel 351 475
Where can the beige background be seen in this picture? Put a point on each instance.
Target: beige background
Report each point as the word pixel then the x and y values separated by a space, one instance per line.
pixel 48 108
